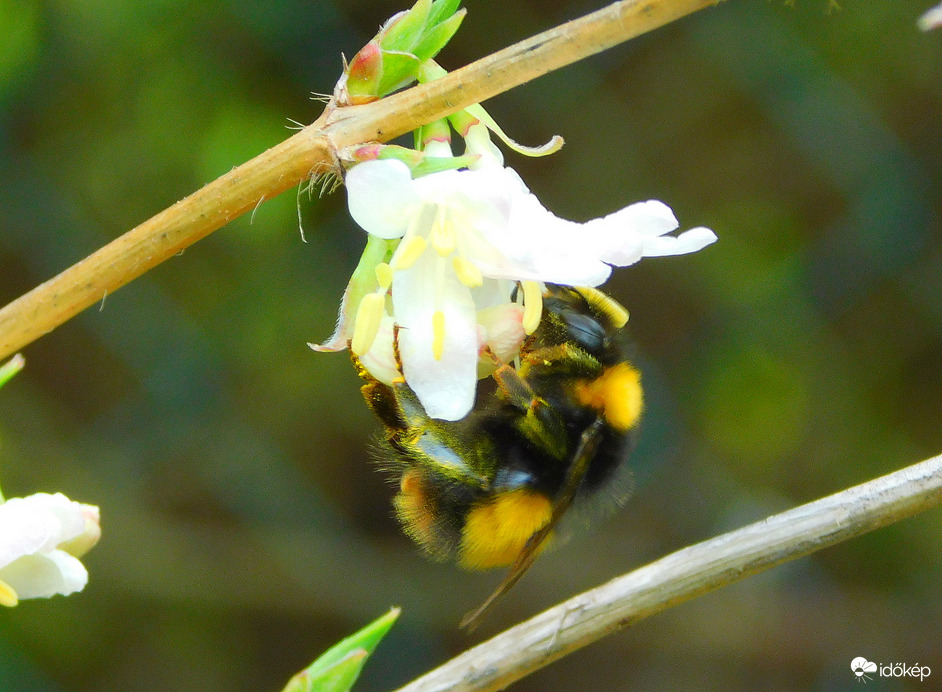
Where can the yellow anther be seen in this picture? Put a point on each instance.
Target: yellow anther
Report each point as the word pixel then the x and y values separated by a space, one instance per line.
pixel 8 596
pixel 408 252
pixel 438 334
pixel 467 272
pixel 532 306
pixel 442 235
pixel 369 316
pixel 384 275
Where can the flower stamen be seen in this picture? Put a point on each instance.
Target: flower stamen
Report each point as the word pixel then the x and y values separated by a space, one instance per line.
pixel 438 334
pixel 532 305
pixel 442 235
pixel 8 596
pixel 408 252
pixel 369 316
pixel 467 272
pixel 384 275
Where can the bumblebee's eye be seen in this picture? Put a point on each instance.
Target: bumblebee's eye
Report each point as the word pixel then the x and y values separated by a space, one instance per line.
pixel 585 330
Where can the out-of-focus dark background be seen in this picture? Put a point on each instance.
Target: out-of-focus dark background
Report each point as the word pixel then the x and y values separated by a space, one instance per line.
pixel 245 528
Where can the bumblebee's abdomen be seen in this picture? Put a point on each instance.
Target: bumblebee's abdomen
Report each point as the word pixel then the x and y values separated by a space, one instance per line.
pixel 486 529
pixel 495 531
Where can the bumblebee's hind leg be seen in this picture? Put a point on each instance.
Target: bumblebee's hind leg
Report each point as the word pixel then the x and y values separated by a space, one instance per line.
pixel 513 389
pixel 559 361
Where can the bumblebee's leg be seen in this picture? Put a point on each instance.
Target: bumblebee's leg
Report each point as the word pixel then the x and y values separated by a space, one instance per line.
pixel 382 401
pixel 513 389
pixel 563 359
pixel 538 422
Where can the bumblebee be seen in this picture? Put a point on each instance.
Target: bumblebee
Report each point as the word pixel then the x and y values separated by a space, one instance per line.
pixel 489 490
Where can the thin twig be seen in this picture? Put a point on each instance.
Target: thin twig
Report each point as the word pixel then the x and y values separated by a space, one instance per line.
pixel 313 150
pixel 685 574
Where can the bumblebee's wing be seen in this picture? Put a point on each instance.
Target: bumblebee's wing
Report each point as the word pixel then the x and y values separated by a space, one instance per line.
pixel 577 470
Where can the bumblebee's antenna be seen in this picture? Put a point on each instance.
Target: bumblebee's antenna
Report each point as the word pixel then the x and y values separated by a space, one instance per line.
pixel 577 470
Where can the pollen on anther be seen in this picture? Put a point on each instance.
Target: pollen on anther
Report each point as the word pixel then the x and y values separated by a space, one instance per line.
pixel 410 250
pixel 369 315
pixel 384 275
pixel 8 595
pixel 467 272
pixel 442 236
pixel 438 334
pixel 532 305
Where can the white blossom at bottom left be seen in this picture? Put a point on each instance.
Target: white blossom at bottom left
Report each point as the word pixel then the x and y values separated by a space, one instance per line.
pixel 42 537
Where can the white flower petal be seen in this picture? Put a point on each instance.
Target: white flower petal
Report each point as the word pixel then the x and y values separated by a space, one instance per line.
pixel 500 328
pixel 537 245
pixel 31 531
pixel 572 270
pixel 619 238
pixel 487 221
pixel 493 293
pixel 483 196
pixel 41 575
pixel 647 218
pixel 381 197
pixel 37 523
pixel 688 241
pixel 445 386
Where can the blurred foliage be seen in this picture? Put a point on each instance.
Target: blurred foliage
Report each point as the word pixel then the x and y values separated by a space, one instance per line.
pixel 245 527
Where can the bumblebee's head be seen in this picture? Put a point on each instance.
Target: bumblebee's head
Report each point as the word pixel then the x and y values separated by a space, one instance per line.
pixel 585 317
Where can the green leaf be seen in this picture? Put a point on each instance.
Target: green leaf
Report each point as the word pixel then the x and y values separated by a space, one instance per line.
pixel 436 164
pixel 441 10
pixel 405 29
pixel 10 368
pixel 410 157
pixel 338 668
pixel 398 70
pixel 338 677
pixel 438 37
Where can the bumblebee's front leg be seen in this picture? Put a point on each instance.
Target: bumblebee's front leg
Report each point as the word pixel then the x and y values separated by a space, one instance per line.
pixel 382 401
pixel 561 361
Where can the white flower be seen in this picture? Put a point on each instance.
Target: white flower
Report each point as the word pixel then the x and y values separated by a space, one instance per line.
pixel 464 239
pixel 932 19
pixel 41 538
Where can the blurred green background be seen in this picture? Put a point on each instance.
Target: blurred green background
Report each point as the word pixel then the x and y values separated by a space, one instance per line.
pixel 245 528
